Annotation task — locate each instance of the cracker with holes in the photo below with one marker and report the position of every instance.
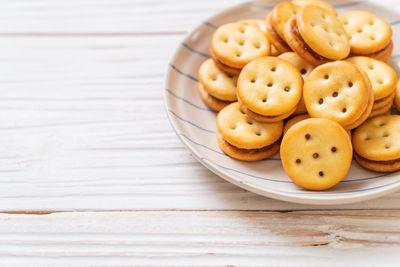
(269, 89)
(397, 96)
(302, 65)
(217, 88)
(377, 144)
(293, 121)
(384, 54)
(254, 22)
(316, 153)
(245, 139)
(212, 102)
(338, 91)
(236, 44)
(367, 112)
(369, 35)
(305, 68)
(383, 79)
(319, 3)
(261, 25)
(289, 124)
(276, 41)
(275, 23)
(317, 35)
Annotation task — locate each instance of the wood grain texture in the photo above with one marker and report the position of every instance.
(83, 127)
(110, 17)
(105, 17)
(329, 238)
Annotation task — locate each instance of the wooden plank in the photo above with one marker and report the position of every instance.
(83, 127)
(105, 16)
(57, 17)
(329, 238)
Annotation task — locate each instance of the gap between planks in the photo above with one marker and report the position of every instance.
(331, 212)
(89, 34)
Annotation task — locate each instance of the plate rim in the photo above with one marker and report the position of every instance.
(259, 190)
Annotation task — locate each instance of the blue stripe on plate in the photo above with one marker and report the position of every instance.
(199, 144)
(182, 73)
(326, 192)
(209, 24)
(364, 179)
(187, 101)
(252, 4)
(349, 4)
(395, 22)
(269, 159)
(247, 174)
(264, 178)
(345, 192)
(191, 49)
(209, 148)
(395, 56)
(191, 123)
(272, 159)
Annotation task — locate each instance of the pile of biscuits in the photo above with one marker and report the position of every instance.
(320, 79)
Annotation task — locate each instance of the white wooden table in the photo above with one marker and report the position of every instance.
(91, 172)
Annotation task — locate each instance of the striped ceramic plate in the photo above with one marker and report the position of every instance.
(195, 124)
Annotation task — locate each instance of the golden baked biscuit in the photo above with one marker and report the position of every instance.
(319, 3)
(235, 44)
(222, 66)
(297, 44)
(219, 84)
(274, 51)
(255, 22)
(317, 35)
(293, 121)
(367, 32)
(243, 132)
(278, 42)
(381, 111)
(368, 110)
(316, 153)
(384, 101)
(382, 76)
(377, 143)
(247, 154)
(301, 108)
(270, 87)
(337, 91)
(302, 65)
(281, 14)
(262, 118)
(262, 26)
(300, 118)
(212, 102)
(244, 138)
(305, 68)
(382, 55)
(378, 166)
(397, 96)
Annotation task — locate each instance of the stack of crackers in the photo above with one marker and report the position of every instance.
(319, 79)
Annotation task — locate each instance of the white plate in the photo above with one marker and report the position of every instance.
(195, 124)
